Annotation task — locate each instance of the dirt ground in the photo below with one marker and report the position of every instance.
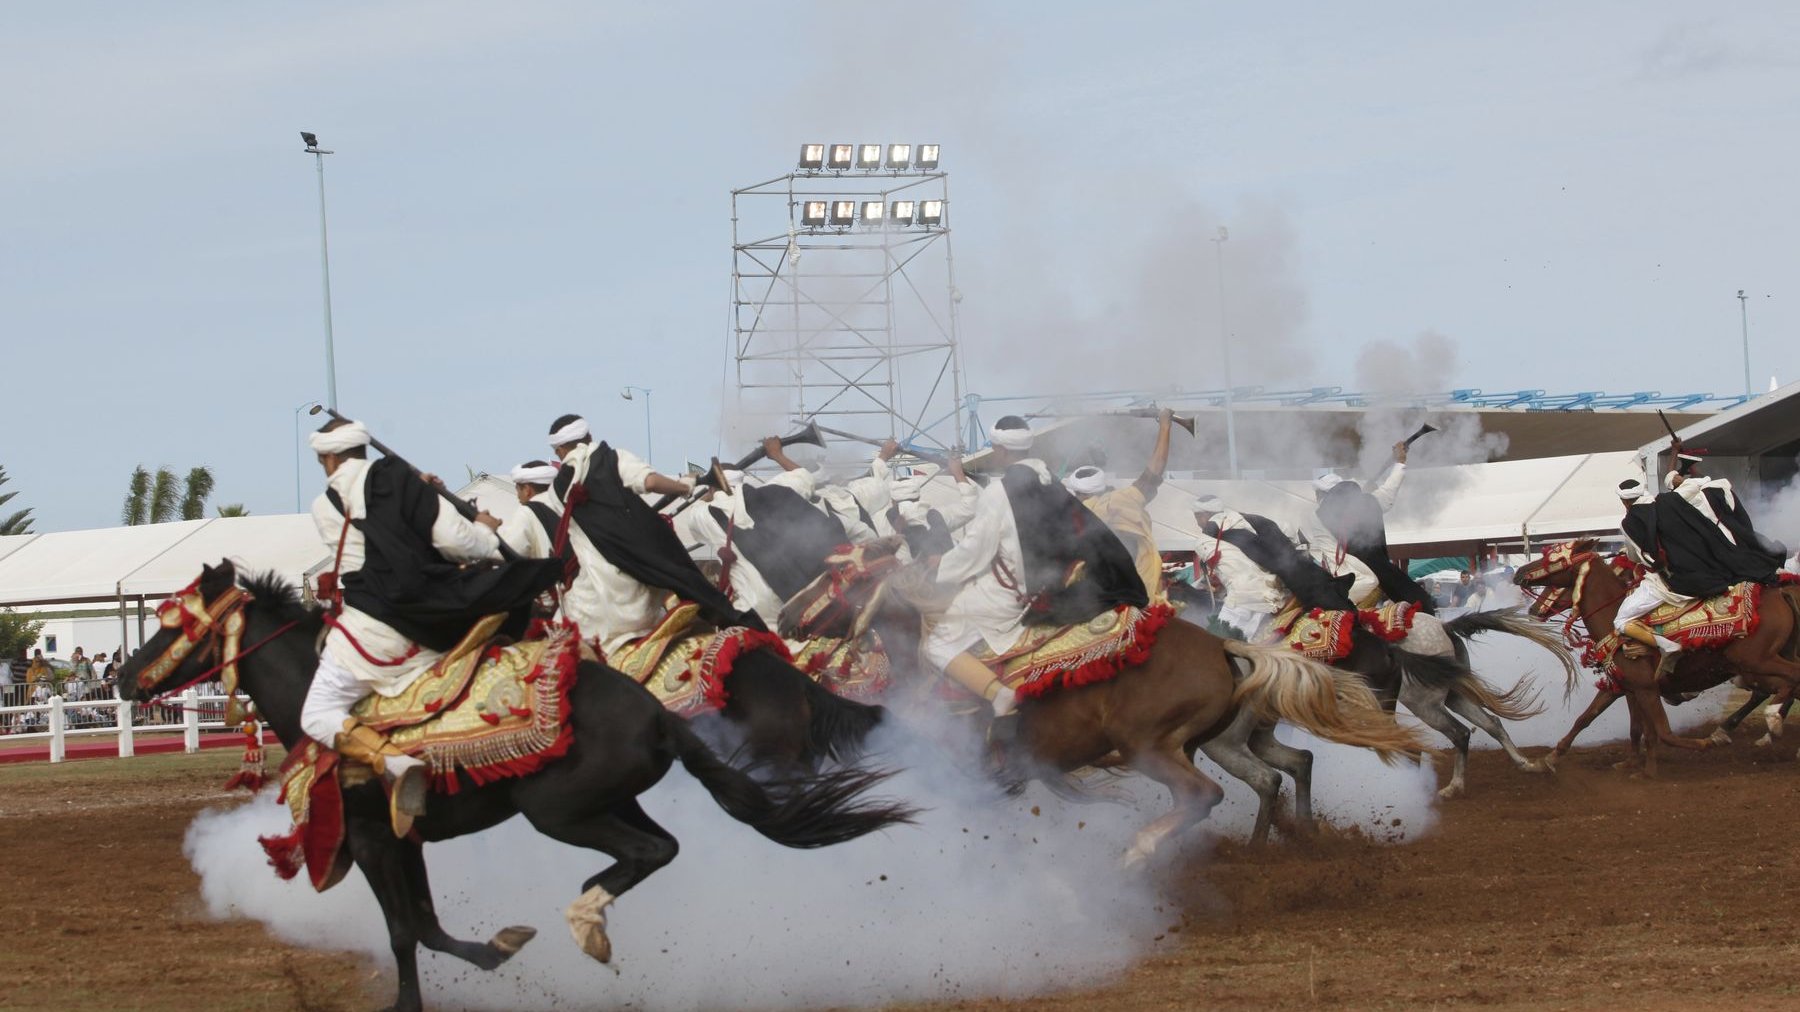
(1587, 891)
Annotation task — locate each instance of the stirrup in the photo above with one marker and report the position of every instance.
(406, 797)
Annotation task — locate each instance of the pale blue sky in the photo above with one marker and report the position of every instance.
(529, 206)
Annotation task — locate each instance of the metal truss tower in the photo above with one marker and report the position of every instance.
(843, 295)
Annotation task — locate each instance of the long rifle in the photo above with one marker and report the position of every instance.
(468, 509)
(925, 456)
(809, 435)
(1150, 412)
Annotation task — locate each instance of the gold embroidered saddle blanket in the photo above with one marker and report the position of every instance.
(1712, 622)
(685, 662)
(484, 712)
(1047, 658)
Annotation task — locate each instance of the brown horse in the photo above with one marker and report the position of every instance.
(1595, 592)
(1188, 690)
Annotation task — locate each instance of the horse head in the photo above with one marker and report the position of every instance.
(191, 621)
(1556, 568)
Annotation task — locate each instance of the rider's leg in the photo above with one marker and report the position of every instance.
(980, 679)
(325, 717)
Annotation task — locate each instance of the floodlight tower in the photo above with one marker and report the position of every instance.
(843, 293)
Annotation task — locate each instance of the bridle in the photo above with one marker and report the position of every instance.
(216, 629)
(1552, 600)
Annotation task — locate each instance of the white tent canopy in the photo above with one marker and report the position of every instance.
(150, 561)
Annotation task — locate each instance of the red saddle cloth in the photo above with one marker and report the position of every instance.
(1050, 658)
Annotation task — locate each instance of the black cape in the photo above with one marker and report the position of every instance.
(1736, 519)
(1355, 518)
(406, 583)
(635, 538)
(1312, 585)
(1692, 555)
(1055, 533)
(933, 537)
(551, 522)
(789, 541)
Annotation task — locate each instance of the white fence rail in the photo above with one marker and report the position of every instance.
(61, 719)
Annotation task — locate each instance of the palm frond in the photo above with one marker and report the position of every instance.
(164, 497)
(137, 498)
(199, 489)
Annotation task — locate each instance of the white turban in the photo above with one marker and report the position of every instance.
(1209, 504)
(1011, 439)
(914, 513)
(1086, 481)
(733, 478)
(1631, 489)
(541, 475)
(344, 437)
(905, 490)
(1326, 482)
(1674, 478)
(574, 432)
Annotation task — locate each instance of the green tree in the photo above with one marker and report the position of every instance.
(18, 523)
(199, 488)
(163, 496)
(17, 634)
(137, 499)
(233, 509)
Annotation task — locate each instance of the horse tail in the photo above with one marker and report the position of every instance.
(805, 812)
(1514, 622)
(840, 726)
(1452, 674)
(1333, 704)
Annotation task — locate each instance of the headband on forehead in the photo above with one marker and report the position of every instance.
(1209, 504)
(574, 432)
(1326, 482)
(1086, 481)
(543, 474)
(1631, 489)
(344, 437)
(905, 490)
(1011, 439)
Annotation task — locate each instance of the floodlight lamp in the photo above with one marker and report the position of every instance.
(872, 212)
(868, 156)
(931, 212)
(812, 213)
(843, 212)
(899, 156)
(311, 139)
(840, 156)
(928, 157)
(901, 212)
(812, 156)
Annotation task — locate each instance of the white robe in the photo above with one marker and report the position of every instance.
(524, 533)
(1324, 548)
(697, 526)
(985, 610)
(1252, 594)
(455, 537)
(606, 604)
(1694, 491)
(1649, 594)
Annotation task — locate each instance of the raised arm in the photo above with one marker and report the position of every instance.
(1152, 478)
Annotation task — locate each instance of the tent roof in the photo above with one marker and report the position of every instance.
(1753, 427)
(153, 560)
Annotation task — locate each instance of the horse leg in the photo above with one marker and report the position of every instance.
(1473, 712)
(381, 857)
(1230, 748)
(1775, 710)
(1649, 701)
(636, 843)
(1601, 701)
(1427, 704)
(1295, 762)
(486, 955)
(1757, 698)
(1194, 794)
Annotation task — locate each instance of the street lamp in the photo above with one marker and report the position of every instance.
(297, 411)
(649, 449)
(1744, 316)
(318, 153)
(1225, 345)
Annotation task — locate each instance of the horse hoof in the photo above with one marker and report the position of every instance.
(508, 941)
(1720, 736)
(1451, 792)
(1764, 742)
(587, 923)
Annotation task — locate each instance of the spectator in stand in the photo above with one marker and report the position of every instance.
(1464, 590)
(6, 693)
(39, 670)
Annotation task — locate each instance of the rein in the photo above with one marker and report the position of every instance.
(201, 624)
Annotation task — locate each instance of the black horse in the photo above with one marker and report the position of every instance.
(624, 741)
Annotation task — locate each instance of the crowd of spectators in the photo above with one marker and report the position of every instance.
(85, 677)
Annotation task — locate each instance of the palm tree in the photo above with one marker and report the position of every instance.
(199, 489)
(137, 499)
(18, 523)
(233, 509)
(162, 496)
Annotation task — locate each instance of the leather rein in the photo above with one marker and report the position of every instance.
(216, 629)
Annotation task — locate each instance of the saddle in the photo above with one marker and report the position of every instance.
(1048, 658)
(1328, 636)
(685, 660)
(1709, 622)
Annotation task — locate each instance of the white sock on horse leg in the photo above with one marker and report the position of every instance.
(1005, 701)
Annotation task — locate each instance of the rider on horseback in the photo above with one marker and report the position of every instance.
(1127, 510)
(399, 596)
(1347, 534)
(1260, 568)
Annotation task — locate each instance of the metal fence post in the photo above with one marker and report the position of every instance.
(56, 729)
(190, 721)
(122, 715)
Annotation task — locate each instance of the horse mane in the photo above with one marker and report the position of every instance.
(282, 599)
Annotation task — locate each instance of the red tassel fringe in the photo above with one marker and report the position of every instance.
(564, 675)
(1101, 669)
(286, 853)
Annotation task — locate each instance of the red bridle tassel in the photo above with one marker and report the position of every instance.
(252, 772)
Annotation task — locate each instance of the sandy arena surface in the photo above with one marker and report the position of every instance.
(1586, 891)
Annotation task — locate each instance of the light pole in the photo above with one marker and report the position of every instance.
(297, 411)
(649, 446)
(1225, 345)
(1744, 317)
(318, 153)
